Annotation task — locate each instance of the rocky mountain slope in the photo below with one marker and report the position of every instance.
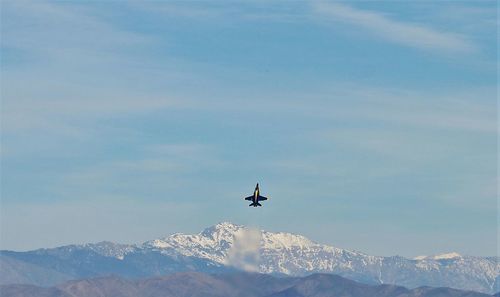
(227, 246)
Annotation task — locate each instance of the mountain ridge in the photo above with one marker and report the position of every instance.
(242, 284)
(226, 246)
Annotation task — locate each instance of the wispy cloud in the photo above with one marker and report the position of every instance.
(72, 66)
(152, 160)
(404, 33)
(60, 30)
(468, 111)
(227, 11)
(157, 168)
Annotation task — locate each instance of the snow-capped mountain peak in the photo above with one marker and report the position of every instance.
(212, 243)
(227, 245)
(446, 256)
(278, 252)
(285, 253)
(221, 231)
(451, 255)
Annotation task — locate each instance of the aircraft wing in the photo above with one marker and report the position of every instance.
(250, 198)
(261, 198)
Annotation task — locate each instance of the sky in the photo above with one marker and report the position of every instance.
(372, 126)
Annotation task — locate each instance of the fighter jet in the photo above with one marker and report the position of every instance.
(255, 198)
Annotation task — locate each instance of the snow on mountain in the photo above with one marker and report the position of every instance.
(447, 256)
(110, 249)
(104, 248)
(285, 253)
(234, 246)
(213, 243)
(417, 258)
(451, 255)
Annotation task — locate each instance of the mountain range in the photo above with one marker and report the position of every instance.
(227, 247)
(239, 284)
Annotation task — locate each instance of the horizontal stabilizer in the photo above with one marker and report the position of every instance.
(261, 198)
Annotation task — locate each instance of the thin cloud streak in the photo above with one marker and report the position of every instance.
(408, 34)
(50, 29)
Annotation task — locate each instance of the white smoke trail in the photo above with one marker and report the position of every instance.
(245, 252)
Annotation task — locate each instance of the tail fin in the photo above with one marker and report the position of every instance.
(255, 204)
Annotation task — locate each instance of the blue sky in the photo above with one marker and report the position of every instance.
(371, 125)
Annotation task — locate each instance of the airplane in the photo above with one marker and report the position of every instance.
(255, 198)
